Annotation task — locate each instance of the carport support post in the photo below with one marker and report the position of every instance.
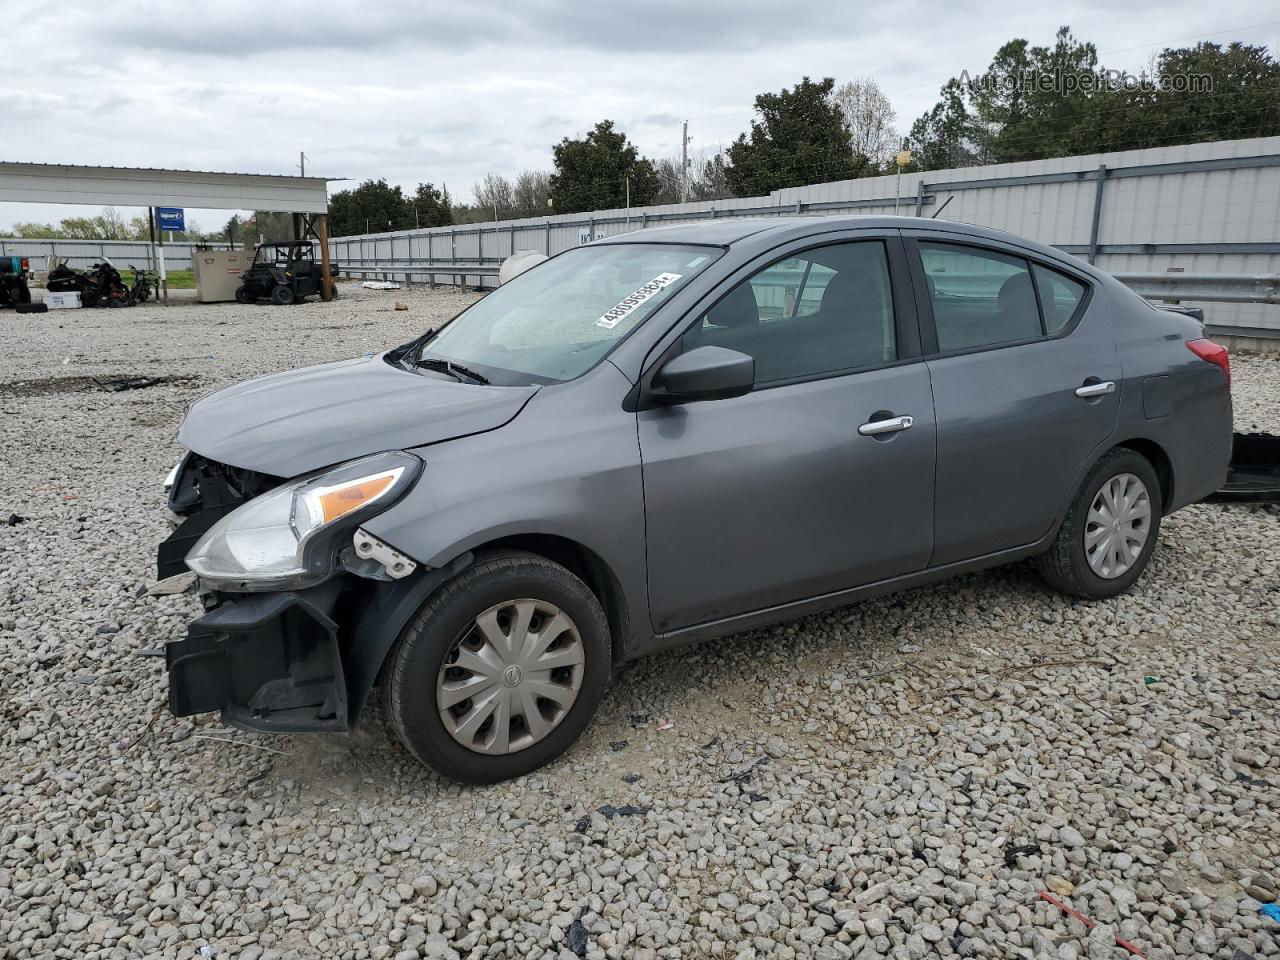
(326, 278)
(164, 274)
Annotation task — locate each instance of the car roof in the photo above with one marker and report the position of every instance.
(730, 231)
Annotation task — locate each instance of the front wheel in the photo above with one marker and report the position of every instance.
(500, 671)
(1110, 531)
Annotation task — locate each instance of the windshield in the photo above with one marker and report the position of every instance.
(556, 321)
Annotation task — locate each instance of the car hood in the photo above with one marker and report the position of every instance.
(290, 423)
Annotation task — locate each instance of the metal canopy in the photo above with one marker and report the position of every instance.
(140, 187)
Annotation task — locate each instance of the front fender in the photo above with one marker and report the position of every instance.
(567, 467)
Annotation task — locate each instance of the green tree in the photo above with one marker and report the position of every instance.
(800, 137)
(944, 137)
(375, 206)
(431, 206)
(1201, 93)
(531, 193)
(1035, 102)
(593, 173)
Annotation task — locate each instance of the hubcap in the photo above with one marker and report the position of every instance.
(1118, 525)
(511, 676)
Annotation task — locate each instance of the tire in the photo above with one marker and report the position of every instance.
(446, 628)
(1067, 566)
(282, 296)
(242, 295)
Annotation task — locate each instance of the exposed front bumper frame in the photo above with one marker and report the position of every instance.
(268, 662)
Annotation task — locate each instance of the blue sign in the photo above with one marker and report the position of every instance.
(171, 218)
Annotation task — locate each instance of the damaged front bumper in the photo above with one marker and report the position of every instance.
(270, 662)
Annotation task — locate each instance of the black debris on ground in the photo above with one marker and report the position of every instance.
(130, 383)
(626, 810)
(1013, 852)
(742, 776)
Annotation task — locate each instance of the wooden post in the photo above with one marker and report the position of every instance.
(326, 278)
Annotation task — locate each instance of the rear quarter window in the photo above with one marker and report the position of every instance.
(1060, 295)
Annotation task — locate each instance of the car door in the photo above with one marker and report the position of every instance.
(776, 496)
(1026, 384)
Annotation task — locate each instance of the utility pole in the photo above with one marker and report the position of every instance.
(684, 162)
(302, 164)
(628, 199)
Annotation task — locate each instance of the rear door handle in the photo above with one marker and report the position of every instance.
(1096, 389)
(892, 425)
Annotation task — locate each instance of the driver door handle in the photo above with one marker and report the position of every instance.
(892, 425)
(1096, 389)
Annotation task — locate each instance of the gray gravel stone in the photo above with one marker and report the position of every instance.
(893, 751)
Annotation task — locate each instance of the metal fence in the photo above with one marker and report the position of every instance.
(1208, 208)
(82, 253)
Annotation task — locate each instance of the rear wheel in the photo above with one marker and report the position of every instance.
(1110, 531)
(500, 671)
(242, 294)
(282, 295)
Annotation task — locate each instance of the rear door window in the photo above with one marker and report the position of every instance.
(980, 297)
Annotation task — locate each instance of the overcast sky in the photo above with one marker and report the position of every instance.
(448, 94)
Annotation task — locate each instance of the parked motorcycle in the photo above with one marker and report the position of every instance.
(144, 286)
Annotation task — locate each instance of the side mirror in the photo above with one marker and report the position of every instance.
(704, 373)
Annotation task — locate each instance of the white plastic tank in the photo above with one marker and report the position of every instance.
(518, 263)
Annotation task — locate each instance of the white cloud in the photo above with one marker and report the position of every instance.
(448, 93)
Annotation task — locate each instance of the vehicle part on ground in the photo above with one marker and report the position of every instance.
(1254, 473)
(518, 263)
(501, 669)
(1106, 539)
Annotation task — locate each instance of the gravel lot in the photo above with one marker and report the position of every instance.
(900, 778)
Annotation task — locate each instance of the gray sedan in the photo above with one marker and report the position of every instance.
(664, 437)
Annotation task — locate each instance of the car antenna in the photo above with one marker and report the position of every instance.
(935, 213)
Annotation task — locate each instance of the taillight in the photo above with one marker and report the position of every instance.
(26, 264)
(1213, 353)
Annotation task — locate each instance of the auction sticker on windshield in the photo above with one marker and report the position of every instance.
(616, 314)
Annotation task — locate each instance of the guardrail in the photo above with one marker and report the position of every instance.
(1207, 287)
(387, 270)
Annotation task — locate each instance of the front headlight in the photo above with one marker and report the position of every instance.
(284, 538)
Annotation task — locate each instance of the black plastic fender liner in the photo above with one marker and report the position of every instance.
(384, 616)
